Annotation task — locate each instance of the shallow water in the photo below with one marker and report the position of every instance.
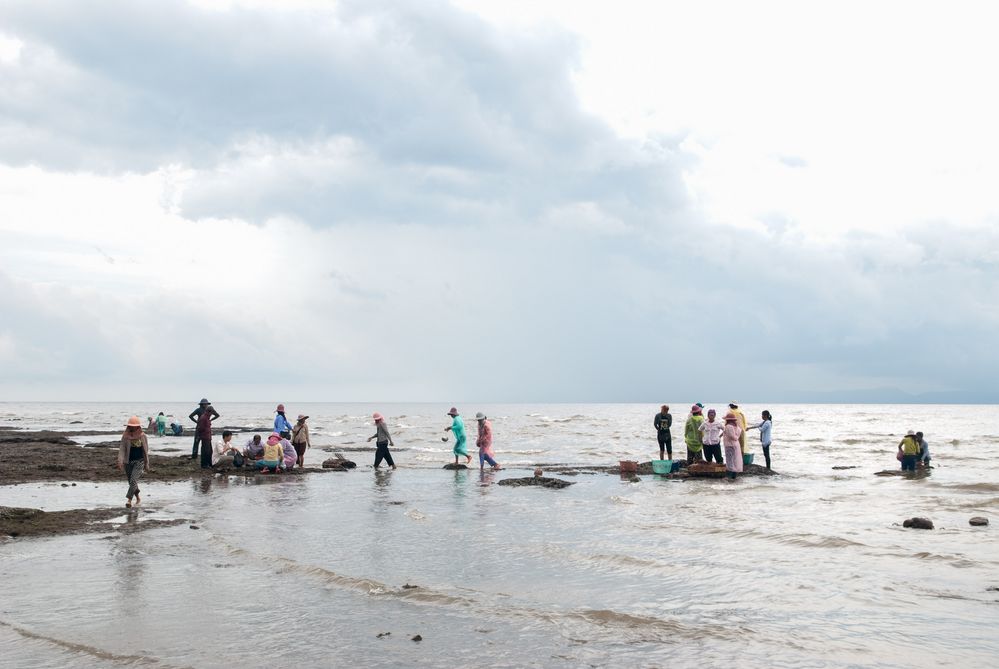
(810, 568)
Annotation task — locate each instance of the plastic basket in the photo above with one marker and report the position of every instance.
(662, 466)
(747, 458)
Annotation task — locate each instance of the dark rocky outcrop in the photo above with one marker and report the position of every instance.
(543, 481)
(451, 465)
(339, 463)
(978, 521)
(918, 523)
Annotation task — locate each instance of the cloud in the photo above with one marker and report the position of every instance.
(386, 201)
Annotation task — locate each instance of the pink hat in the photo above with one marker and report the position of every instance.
(377, 416)
(274, 438)
(696, 410)
(133, 422)
(280, 407)
(730, 417)
(452, 412)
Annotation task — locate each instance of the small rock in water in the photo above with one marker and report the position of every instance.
(383, 634)
(451, 465)
(73, 484)
(994, 588)
(978, 521)
(417, 638)
(64, 485)
(409, 587)
(194, 527)
(918, 523)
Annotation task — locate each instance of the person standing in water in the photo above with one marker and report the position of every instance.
(203, 416)
(692, 434)
(908, 448)
(733, 449)
(458, 428)
(663, 422)
(924, 451)
(160, 425)
(711, 433)
(485, 442)
(300, 438)
(741, 418)
(764, 427)
(382, 441)
(281, 424)
(133, 458)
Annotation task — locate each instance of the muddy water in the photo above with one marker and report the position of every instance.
(811, 568)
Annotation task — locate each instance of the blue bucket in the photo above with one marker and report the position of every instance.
(662, 466)
(747, 458)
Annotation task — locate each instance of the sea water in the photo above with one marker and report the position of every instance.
(807, 568)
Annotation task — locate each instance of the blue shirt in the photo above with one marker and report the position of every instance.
(281, 424)
(765, 432)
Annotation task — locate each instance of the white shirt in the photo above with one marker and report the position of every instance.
(220, 448)
(711, 432)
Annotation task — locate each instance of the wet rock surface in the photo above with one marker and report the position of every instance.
(339, 463)
(918, 523)
(543, 481)
(24, 523)
(978, 521)
(451, 465)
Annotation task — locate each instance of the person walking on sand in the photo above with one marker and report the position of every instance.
(692, 434)
(133, 458)
(160, 425)
(711, 433)
(663, 422)
(764, 427)
(908, 449)
(281, 424)
(203, 416)
(485, 442)
(741, 417)
(382, 441)
(733, 450)
(458, 428)
(300, 438)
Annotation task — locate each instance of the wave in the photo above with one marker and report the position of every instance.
(92, 651)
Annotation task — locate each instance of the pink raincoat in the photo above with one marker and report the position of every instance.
(733, 452)
(485, 439)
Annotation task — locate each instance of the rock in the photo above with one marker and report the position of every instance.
(65, 485)
(74, 485)
(847, 467)
(417, 638)
(409, 587)
(194, 527)
(339, 463)
(451, 465)
(978, 521)
(635, 479)
(918, 523)
(542, 481)
(383, 634)
(994, 588)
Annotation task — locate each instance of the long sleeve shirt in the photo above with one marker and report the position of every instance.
(281, 424)
(485, 438)
(764, 429)
(663, 422)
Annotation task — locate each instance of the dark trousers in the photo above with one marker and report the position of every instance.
(665, 442)
(909, 463)
(766, 454)
(713, 451)
(693, 456)
(206, 451)
(382, 453)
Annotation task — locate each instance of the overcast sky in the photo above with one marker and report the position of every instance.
(516, 200)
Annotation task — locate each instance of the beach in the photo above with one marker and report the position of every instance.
(810, 567)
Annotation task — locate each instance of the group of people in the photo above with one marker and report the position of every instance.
(283, 450)
(484, 440)
(709, 439)
(913, 451)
